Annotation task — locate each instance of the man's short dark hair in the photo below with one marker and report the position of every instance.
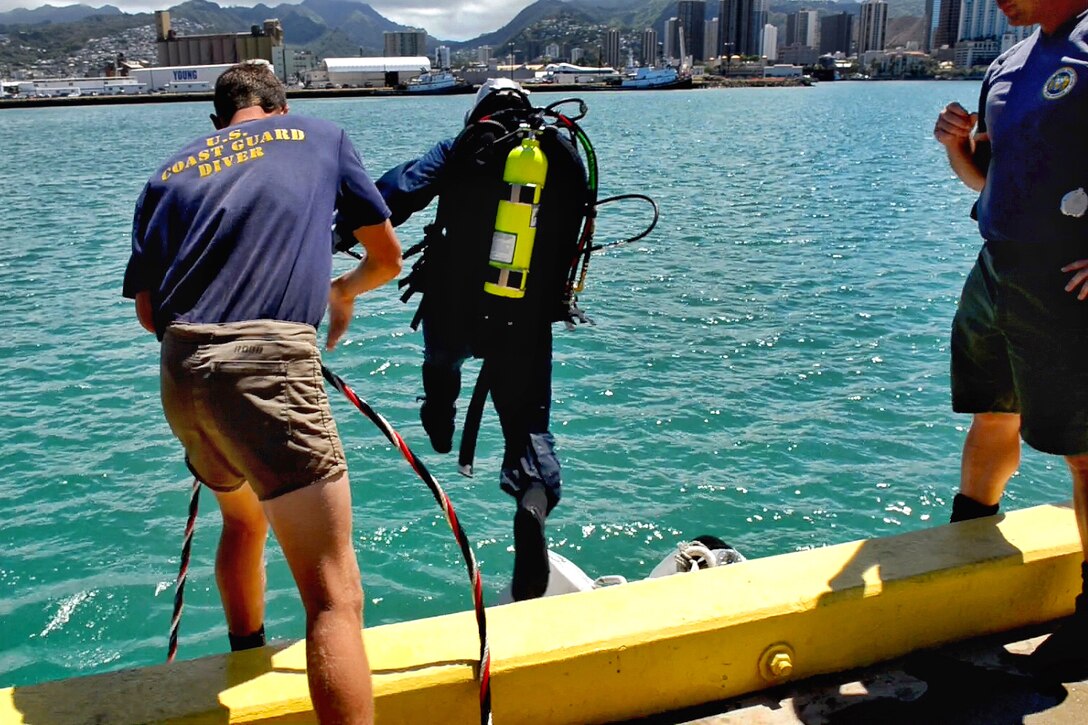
(248, 84)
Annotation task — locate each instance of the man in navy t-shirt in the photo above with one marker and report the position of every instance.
(1020, 335)
(230, 268)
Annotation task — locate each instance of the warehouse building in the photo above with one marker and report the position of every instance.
(367, 72)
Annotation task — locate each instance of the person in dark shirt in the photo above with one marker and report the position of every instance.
(1020, 335)
(230, 268)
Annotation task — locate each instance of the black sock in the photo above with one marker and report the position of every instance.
(965, 508)
(239, 642)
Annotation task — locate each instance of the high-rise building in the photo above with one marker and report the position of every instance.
(984, 33)
(710, 38)
(610, 48)
(672, 34)
(801, 28)
(576, 54)
(552, 50)
(836, 33)
(691, 15)
(405, 43)
(649, 48)
(931, 13)
(872, 26)
(483, 54)
(947, 28)
(980, 19)
(770, 42)
(741, 24)
(442, 56)
(761, 13)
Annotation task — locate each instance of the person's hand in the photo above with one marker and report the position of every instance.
(341, 310)
(1080, 279)
(954, 126)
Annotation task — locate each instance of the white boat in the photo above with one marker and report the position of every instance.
(648, 78)
(438, 82)
(703, 552)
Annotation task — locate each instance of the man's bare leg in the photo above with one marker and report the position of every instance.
(239, 565)
(991, 454)
(1078, 466)
(1066, 650)
(313, 527)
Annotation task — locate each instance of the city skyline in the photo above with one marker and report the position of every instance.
(450, 20)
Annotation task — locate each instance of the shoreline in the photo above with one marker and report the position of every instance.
(297, 93)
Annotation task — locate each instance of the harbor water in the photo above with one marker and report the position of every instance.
(769, 366)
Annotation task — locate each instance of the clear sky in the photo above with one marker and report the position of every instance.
(448, 20)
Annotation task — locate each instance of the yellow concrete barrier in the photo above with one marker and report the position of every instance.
(640, 648)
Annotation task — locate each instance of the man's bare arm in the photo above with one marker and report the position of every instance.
(954, 131)
(381, 264)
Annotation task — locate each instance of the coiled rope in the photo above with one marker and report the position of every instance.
(451, 517)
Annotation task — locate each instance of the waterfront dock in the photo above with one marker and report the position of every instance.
(882, 630)
(308, 93)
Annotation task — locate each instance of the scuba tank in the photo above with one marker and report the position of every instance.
(515, 221)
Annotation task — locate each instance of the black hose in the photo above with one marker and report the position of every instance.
(622, 197)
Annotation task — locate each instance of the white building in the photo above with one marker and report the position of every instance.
(981, 19)
(54, 87)
(367, 72)
(483, 54)
(179, 79)
(552, 50)
(782, 70)
(770, 41)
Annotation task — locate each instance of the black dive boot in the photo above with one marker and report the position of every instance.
(965, 508)
(1064, 653)
(530, 547)
(438, 423)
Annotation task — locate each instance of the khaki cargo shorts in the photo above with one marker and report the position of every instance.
(247, 402)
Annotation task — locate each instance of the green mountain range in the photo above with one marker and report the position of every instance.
(347, 27)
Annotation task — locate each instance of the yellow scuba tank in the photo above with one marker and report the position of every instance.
(515, 220)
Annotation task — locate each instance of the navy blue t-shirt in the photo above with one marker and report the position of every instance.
(237, 225)
(1036, 113)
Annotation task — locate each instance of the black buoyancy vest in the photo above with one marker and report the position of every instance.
(455, 263)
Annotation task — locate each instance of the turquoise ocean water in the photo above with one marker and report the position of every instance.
(769, 366)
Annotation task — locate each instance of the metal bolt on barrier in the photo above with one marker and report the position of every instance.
(776, 662)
